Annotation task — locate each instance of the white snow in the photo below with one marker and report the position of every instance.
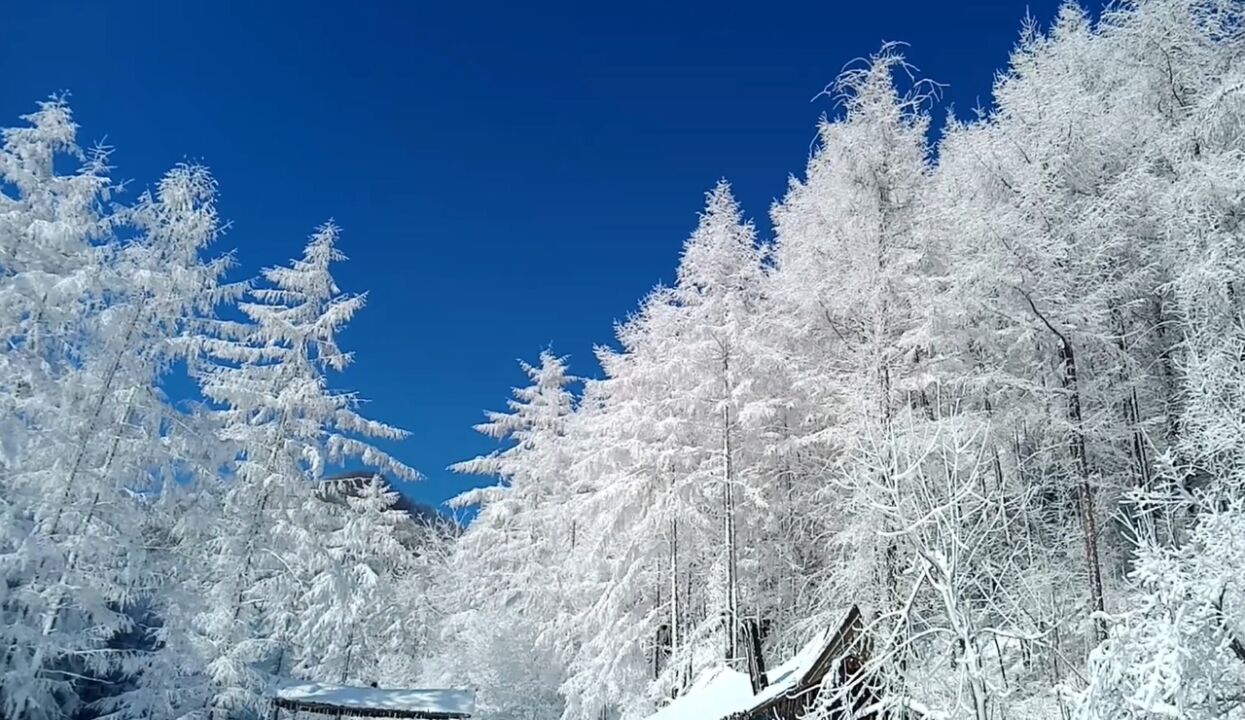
(717, 693)
(438, 701)
(722, 691)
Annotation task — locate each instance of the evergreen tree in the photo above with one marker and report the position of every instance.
(276, 410)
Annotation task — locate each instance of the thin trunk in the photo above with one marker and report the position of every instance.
(1171, 381)
(674, 587)
(1083, 489)
(345, 673)
(732, 579)
(995, 462)
(728, 493)
(659, 639)
(1132, 413)
(258, 517)
(109, 377)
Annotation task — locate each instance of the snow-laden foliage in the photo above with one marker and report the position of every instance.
(498, 633)
(1175, 648)
(160, 560)
(985, 380)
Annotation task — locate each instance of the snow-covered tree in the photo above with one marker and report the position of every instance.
(91, 433)
(285, 425)
(351, 616)
(503, 570)
(1176, 648)
(136, 582)
(855, 281)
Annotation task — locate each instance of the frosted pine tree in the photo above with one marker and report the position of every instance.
(506, 537)
(286, 425)
(161, 289)
(351, 616)
(54, 235)
(104, 328)
(48, 225)
(672, 475)
(505, 566)
(854, 268)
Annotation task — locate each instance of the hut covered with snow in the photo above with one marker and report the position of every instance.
(831, 659)
(346, 701)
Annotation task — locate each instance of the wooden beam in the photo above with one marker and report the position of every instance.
(756, 661)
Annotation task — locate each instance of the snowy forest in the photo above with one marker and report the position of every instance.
(986, 378)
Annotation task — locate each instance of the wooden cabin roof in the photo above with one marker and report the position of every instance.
(836, 642)
(347, 701)
(724, 693)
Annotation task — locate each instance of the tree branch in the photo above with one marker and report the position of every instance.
(1234, 643)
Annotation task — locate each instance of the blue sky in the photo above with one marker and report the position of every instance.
(509, 176)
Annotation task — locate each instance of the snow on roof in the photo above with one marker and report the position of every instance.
(787, 676)
(376, 702)
(716, 693)
(720, 692)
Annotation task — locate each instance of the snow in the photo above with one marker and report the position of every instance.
(722, 691)
(431, 701)
(717, 693)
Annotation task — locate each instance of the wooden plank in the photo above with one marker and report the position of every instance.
(756, 661)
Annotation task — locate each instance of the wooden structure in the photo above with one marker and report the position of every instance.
(829, 668)
(341, 701)
(837, 665)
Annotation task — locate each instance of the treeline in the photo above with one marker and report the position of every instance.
(989, 387)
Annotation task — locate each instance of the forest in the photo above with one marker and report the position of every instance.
(986, 379)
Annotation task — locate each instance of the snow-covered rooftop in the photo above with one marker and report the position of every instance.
(716, 694)
(721, 691)
(376, 702)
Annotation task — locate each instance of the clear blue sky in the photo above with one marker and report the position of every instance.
(509, 176)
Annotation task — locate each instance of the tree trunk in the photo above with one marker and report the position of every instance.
(732, 580)
(1083, 489)
(728, 509)
(674, 587)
